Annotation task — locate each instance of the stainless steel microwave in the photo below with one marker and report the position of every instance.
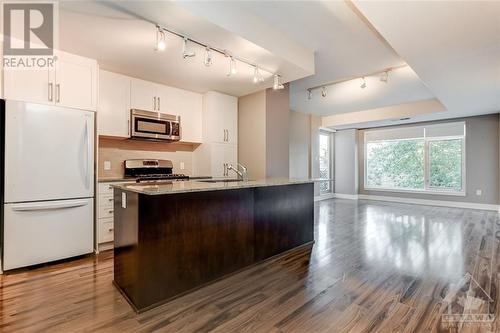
(154, 126)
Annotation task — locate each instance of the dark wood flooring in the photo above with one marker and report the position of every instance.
(375, 267)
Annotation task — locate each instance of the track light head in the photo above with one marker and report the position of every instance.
(363, 84)
(385, 77)
(185, 52)
(232, 66)
(323, 92)
(208, 57)
(276, 84)
(257, 75)
(309, 94)
(160, 44)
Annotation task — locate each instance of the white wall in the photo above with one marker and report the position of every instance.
(300, 144)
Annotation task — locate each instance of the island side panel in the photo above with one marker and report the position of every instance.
(284, 218)
(126, 253)
(189, 239)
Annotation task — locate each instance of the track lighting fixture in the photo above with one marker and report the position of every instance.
(185, 52)
(257, 75)
(160, 39)
(232, 66)
(385, 77)
(208, 57)
(363, 83)
(276, 84)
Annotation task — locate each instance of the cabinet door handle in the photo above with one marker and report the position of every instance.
(58, 93)
(159, 107)
(111, 229)
(110, 211)
(154, 103)
(51, 92)
(128, 127)
(227, 135)
(110, 199)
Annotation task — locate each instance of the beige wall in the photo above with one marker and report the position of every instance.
(263, 133)
(252, 134)
(277, 132)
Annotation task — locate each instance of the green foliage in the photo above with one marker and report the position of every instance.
(396, 164)
(400, 164)
(445, 158)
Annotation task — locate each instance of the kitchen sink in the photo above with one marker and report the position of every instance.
(220, 180)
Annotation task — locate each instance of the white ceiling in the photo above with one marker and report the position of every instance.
(121, 36)
(454, 46)
(345, 47)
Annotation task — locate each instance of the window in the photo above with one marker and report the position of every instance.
(325, 162)
(422, 159)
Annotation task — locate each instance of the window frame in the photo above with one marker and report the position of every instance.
(331, 162)
(427, 188)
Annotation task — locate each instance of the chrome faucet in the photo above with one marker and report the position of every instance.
(242, 174)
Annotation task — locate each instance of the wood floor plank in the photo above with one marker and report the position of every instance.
(375, 267)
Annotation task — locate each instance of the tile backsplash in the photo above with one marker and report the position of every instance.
(117, 151)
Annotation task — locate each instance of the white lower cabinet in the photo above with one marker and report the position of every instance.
(105, 212)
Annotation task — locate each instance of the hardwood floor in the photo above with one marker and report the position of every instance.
(375, 267)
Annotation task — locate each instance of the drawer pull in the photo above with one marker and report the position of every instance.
(110, 199)
(111, 229)
(110, 211)
(110, 187)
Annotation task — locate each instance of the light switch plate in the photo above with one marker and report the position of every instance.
(124, 200)
(182, 165)
(479, 192)
(107, 165)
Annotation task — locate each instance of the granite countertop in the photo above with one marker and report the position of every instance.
(198, 186)
(132, 179)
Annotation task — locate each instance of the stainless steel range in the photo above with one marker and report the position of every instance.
(151, 171)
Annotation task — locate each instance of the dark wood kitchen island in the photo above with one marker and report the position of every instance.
(171, 238)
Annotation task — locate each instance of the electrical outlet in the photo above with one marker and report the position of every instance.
(479, 192)
(107, 165)
(182, 165)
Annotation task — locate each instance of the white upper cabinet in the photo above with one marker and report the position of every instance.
(119, 94)
(220, 118)
(76, 82)
(143, 95)
(35, 86)
(72, 83)
(113, 112)
(187, 105)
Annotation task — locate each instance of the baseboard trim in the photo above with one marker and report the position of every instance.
(440, 203)
(346, 196)
(324, 197)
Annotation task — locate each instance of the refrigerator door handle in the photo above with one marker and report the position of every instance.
(87, 154)
(35, 206)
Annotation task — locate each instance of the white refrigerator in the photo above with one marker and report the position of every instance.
(48, 194)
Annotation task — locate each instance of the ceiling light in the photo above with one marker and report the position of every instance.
(208, 57)
(232, 66)
(160, 39)
(257, 75)
(385, 77)
(363, 84)
(185, 53)
(276, 84)
(323, 92)
(309, 94)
